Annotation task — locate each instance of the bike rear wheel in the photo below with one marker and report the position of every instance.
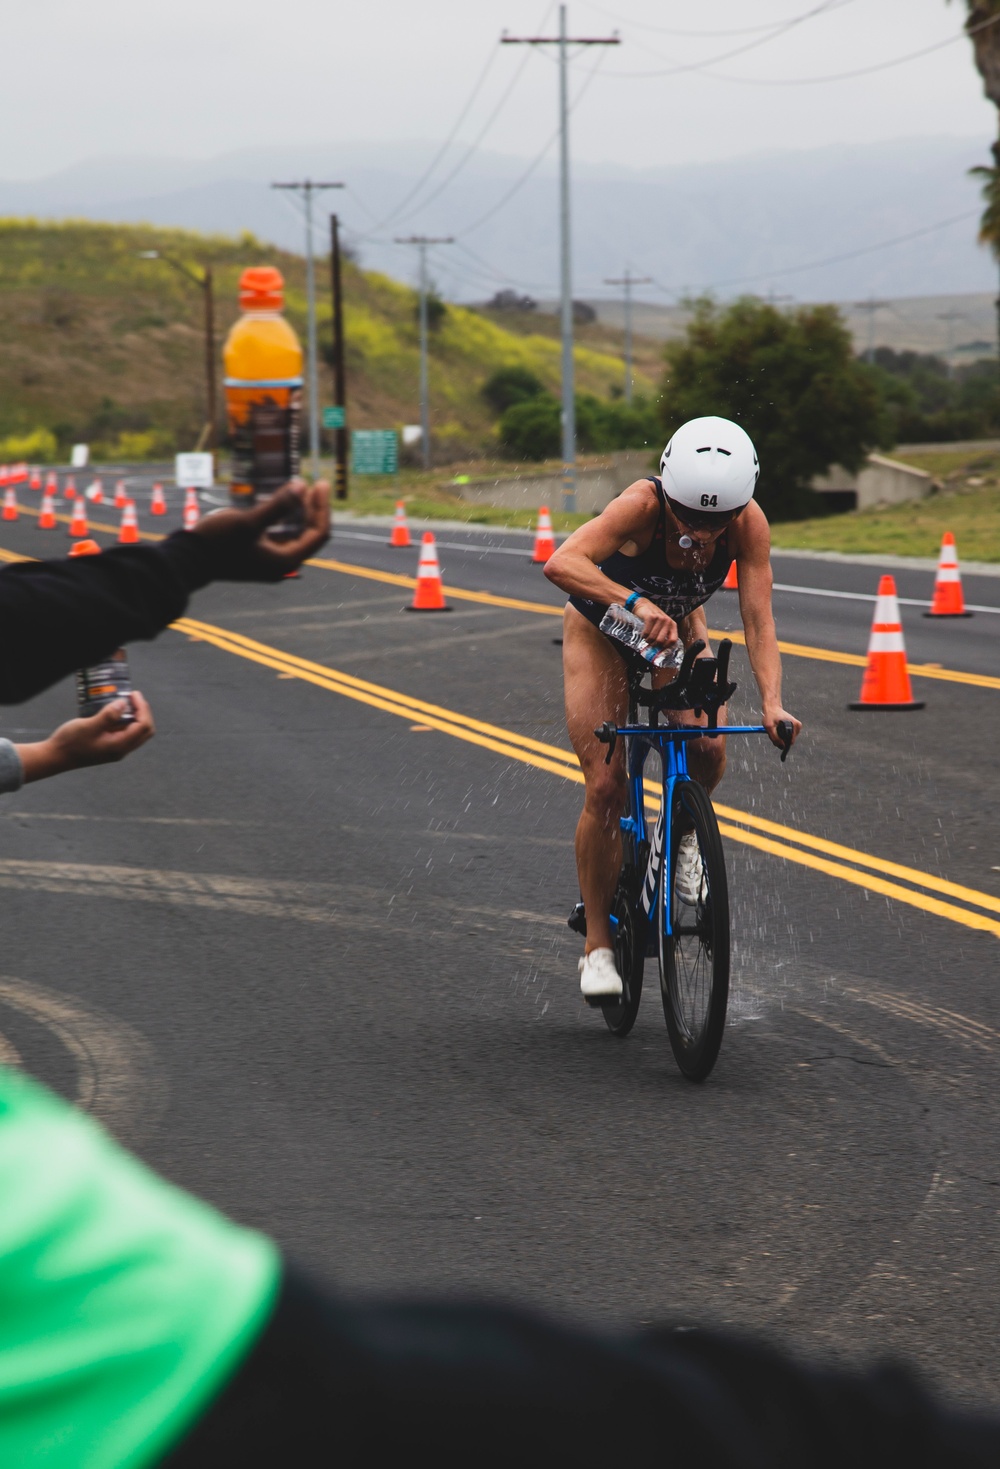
(629, 940)
(694, 958)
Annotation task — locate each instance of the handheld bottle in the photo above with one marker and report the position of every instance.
(263, 384)
(105, 681)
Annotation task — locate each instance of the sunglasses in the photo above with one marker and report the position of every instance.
(703, 520)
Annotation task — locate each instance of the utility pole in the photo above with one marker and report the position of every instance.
(628, 280)
(307, 187)
(339, 376)
(950, 317)
(563, 41)
(209, 433)
(871, 306)
(421, 242)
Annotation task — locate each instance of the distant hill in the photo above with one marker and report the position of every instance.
(97, 343)
(747, 223)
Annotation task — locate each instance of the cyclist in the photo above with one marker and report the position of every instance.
(661, 549)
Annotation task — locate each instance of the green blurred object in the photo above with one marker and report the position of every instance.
(334, 418)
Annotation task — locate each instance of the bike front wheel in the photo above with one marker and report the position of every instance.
(694, 956)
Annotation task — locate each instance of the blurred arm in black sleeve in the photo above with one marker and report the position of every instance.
(58, 616)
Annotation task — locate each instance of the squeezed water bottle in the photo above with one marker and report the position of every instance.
(625, 627)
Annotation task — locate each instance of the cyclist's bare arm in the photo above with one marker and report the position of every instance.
(751, 543)
(627, 524)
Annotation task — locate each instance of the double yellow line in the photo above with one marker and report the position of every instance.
(890, 879)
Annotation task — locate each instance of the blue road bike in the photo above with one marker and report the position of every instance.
(649, 917)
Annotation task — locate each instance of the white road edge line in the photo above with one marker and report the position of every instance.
(781, 586)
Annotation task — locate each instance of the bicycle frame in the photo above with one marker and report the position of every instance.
(671, 744)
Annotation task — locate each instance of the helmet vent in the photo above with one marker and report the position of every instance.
(707, 450)
(724, 451)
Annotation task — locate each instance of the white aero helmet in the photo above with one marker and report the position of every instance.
(709, 471)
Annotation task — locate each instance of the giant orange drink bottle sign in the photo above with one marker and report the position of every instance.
(263, 364)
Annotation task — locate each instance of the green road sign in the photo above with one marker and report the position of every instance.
(334, 418)
(374, 451)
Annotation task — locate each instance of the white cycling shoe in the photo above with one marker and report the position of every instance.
(599, 979)
(689, 873)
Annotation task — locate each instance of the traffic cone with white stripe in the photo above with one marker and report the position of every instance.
(47, 517)
(429, 593)
(78, 520)
(52, 483)
(4, 475)
(95, 493)
(948, 599)
(545, 541)
(400, 530)
(121, 495)
(69, 488)
(731, 583)
(10, 503)
(128, 531)
(886, 684)
(157, 505)
(35, 480)
(192, 514)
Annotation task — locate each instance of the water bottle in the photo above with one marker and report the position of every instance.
(107, 680)
(625, 627)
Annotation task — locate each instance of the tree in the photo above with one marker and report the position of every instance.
(983, 28)
(509, 385)
(790, 379)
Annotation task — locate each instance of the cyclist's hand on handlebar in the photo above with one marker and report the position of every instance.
(772, 718)
(657, 627)
(244, 549)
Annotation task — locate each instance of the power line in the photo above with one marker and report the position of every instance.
(849, 255)
(718, 35)
(840, 76)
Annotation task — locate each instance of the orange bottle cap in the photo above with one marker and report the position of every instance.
(262, 288)
(85, 548)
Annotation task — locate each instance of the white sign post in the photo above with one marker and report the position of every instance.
(80, 455)
(193, 471)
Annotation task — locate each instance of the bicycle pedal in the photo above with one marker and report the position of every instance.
(601, 1002)
(577, 920)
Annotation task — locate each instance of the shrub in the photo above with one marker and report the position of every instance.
(531, 429)
(510, 385)
(40, 445)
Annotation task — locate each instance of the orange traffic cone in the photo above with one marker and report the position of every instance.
(948, 599)
(35, 482)
(52, 483)
(4, 475)
(192, 514)
(886, 684)
(69, 489)
(121, 495)
(128, 531)
(400, 530)
(731, 583)
(429, 593)
(85, 548)
(47, 517)
(157, 505)
(10, 503)
(545, 541)
(19, 473)
(95, 493)
(78, 521)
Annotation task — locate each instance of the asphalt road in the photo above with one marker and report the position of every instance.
(307, 954)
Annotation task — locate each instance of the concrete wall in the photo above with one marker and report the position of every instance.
(596, 485)
(880, 481)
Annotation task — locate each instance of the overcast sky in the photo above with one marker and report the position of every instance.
(195, 78)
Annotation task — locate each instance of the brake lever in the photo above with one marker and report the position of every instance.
(785, 732)
(607, 733)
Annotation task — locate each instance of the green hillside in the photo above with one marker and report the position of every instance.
(99, 345)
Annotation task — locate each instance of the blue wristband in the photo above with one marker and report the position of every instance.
(631, 601)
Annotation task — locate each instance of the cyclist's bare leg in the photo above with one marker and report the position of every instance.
(596, 688)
